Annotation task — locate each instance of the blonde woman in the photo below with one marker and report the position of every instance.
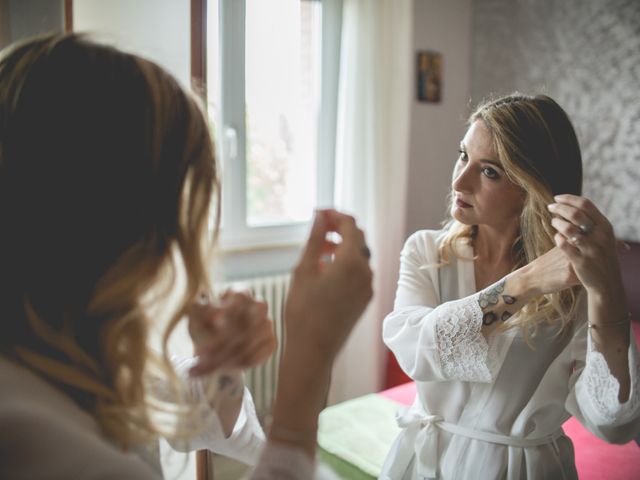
(107, 176)
(513, 317)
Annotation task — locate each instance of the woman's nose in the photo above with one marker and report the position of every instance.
(461, 179)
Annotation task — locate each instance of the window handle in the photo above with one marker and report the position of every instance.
(231, 142)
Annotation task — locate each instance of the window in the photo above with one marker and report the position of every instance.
(271, 104)
(269, 71)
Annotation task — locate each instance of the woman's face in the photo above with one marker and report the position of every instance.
(483, 195)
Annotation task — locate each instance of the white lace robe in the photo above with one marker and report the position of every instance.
(490, 408)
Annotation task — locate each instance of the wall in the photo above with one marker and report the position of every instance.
(437, 128)
(585, 54)
(20, 19)
(156, 29)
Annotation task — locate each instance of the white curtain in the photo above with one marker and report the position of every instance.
(372, 154)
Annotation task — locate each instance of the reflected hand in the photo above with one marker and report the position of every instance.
(235, 333)
(326, 298)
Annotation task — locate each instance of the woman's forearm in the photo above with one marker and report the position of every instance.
(228, 400)
(610, 333)
(301, 396)
(607, 315)
(506, 297)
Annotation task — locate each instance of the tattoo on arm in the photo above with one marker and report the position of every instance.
(227, 382)
(489, 296)
(488, 318)
(489, 301)
(509, 300)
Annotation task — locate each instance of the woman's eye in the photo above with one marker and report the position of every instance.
(462, 155)
(490, 173)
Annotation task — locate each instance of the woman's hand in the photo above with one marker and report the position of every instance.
(586, 237)
(235, 333)
(550, 273)
(327, 297)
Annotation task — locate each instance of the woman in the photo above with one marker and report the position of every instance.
(513, 317)
(107, 176)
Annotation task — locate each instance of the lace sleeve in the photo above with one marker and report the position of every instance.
(431, 340)
(464, 352)
(593, 394)
(246, 439)
(602, 388)
(443, 343)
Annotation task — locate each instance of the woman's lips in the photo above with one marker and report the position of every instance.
(461, 204)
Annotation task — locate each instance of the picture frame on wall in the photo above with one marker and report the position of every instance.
(429, 76)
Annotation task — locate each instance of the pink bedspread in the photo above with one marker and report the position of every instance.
(595, 459)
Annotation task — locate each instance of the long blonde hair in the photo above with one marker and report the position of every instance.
(107, 176)
(539, 151)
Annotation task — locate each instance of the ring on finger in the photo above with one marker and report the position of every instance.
(574, 240)
(366, 252)
(586, 228)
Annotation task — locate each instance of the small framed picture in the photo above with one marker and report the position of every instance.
(429, 79)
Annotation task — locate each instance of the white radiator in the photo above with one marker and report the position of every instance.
(263, 379)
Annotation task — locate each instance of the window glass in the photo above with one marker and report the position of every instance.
(282, 71)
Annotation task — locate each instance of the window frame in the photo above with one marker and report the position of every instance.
(236, 235)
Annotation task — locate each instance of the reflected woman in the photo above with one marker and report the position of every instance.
(107, 176)
(513, 317)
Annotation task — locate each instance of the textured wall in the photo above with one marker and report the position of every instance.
(586, 55)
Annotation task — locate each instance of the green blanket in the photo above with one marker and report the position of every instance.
(355, 436)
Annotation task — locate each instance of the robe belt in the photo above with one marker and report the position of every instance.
(424, 428)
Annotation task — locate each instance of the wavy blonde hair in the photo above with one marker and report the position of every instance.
(107, 177)
(539, 151)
